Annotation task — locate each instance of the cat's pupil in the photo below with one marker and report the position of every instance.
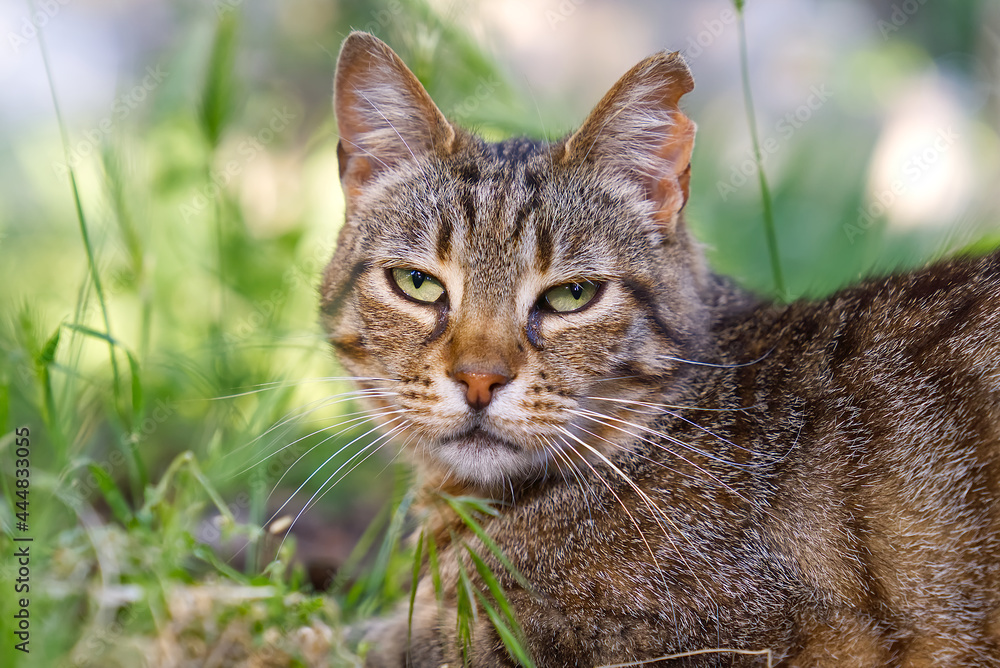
(417, 277)
(576, 290)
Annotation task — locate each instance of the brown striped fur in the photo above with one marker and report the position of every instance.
(683, 467)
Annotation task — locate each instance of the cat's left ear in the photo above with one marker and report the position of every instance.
(638, 130)
(384, 115)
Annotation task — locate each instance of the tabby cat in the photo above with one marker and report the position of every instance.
(680, 468)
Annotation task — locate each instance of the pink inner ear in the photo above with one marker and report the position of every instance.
(669, 199)
(638, 130)
(671, 189)
(384, 115)
(678, 143)
(355, 171)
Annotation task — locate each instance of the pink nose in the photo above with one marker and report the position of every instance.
(480, 386)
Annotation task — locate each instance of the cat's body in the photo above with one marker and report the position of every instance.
(684, 468)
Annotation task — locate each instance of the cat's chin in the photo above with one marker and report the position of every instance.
(488, 461)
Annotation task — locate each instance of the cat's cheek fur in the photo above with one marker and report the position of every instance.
(613, 338)
(392, 323)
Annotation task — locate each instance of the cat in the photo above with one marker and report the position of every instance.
(681, 469)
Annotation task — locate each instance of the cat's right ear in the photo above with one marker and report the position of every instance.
(384, 115)
(638, 130)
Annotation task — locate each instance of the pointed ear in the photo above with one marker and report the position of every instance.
(638, 130)
(384, 115)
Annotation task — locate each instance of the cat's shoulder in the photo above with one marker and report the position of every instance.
(943, 311)
(946, 297)
(965, 283)
(941, 281)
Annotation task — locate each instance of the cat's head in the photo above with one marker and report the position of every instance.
(511, 306)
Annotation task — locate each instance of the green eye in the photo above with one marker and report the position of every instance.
(569, 297)
(417, 285)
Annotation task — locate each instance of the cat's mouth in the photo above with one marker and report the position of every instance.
(486, 459)
(478, 438)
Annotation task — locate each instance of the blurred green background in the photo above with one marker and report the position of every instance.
(174, 311)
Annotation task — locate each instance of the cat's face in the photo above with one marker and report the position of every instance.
(506, 306)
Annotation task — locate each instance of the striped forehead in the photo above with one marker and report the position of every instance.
(494, 229)
(498, 213)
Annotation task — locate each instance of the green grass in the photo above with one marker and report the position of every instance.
(169, 368)
(159, 340)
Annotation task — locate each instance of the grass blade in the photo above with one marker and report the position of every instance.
(417, 563)
(44, 362)
(434, 566)
(509, 629)
(116, 501)
(378, 583)
(509, 637)
(467, 611)
(491, 583)
(95, 275)
(488, 541)
(218, 93)
(349, 569)
(765, 191)
(137, 398)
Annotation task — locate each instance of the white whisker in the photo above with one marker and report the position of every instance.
(282, 384)
(713, 435)
(323, 489)
(599, 419)
(736, 365)
(677, 441)
(653, 508)
(318, 404)
(328, 460)
(559, 453)
(657, 406)
(655, 511)
(352, 423)
(624, 477)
